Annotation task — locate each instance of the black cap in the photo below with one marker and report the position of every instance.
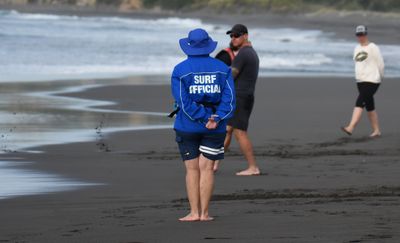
(238, 29)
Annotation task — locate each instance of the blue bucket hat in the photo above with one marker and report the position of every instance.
(198, 43)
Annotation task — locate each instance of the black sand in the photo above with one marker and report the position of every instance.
(318, 184)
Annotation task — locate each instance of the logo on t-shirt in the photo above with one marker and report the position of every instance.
(361, 56)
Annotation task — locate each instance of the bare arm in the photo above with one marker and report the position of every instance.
(235, 72)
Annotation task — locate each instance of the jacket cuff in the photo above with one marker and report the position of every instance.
(205, 118)
(217, 118)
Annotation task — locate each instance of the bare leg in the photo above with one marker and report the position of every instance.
(247, 149)
(206, 186)
(357, 112)
(373, 117)
(228, 138)
(227, 143)
(193, 189)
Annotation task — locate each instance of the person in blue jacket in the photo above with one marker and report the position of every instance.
(203, 90)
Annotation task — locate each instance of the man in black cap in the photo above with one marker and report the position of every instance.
(245, 66)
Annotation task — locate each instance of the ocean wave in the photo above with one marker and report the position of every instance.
(153, 65)
(269, 62)
(51, 47)
(287, 35)
(16, 14)
(61, 72)
(170, 22)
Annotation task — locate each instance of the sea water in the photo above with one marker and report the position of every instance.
(16, 181)
(51, 47)
(35, 114)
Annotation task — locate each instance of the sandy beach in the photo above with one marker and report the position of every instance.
(318, 184)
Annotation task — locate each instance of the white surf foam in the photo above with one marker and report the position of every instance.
(16, 181)
(50, 47)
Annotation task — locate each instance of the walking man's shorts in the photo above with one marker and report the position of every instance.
(191, 145)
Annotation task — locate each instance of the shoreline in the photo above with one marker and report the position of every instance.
(319, 185)
(118, 97)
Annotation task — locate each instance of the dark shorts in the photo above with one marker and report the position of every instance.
(365, 98)
(244, 107)
(191, 145)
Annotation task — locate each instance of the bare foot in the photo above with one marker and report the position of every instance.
(190, 218)
(216, 165)
(206, 218)
(249, 172)
(347, 131)
(375, 134)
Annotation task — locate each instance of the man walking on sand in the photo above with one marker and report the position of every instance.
(245, 66)
(203, 90)
(369, 70)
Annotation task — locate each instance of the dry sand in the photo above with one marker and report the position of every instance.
(319, 185)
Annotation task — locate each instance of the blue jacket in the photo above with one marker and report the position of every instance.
(202, 79)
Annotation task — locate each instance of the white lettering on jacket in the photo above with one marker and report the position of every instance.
(205, 79)
(205, 84)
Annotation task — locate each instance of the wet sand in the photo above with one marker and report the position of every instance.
(318, 185)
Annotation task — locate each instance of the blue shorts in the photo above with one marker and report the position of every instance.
(191, 145)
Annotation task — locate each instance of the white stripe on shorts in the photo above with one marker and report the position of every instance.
(211, 151)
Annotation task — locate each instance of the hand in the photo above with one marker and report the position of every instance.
(211, 124)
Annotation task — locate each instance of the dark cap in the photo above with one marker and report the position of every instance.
(238, 29)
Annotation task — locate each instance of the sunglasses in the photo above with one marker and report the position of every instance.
(360, 34)
(235, 35)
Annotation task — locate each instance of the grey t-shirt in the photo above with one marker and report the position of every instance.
(247, 62)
